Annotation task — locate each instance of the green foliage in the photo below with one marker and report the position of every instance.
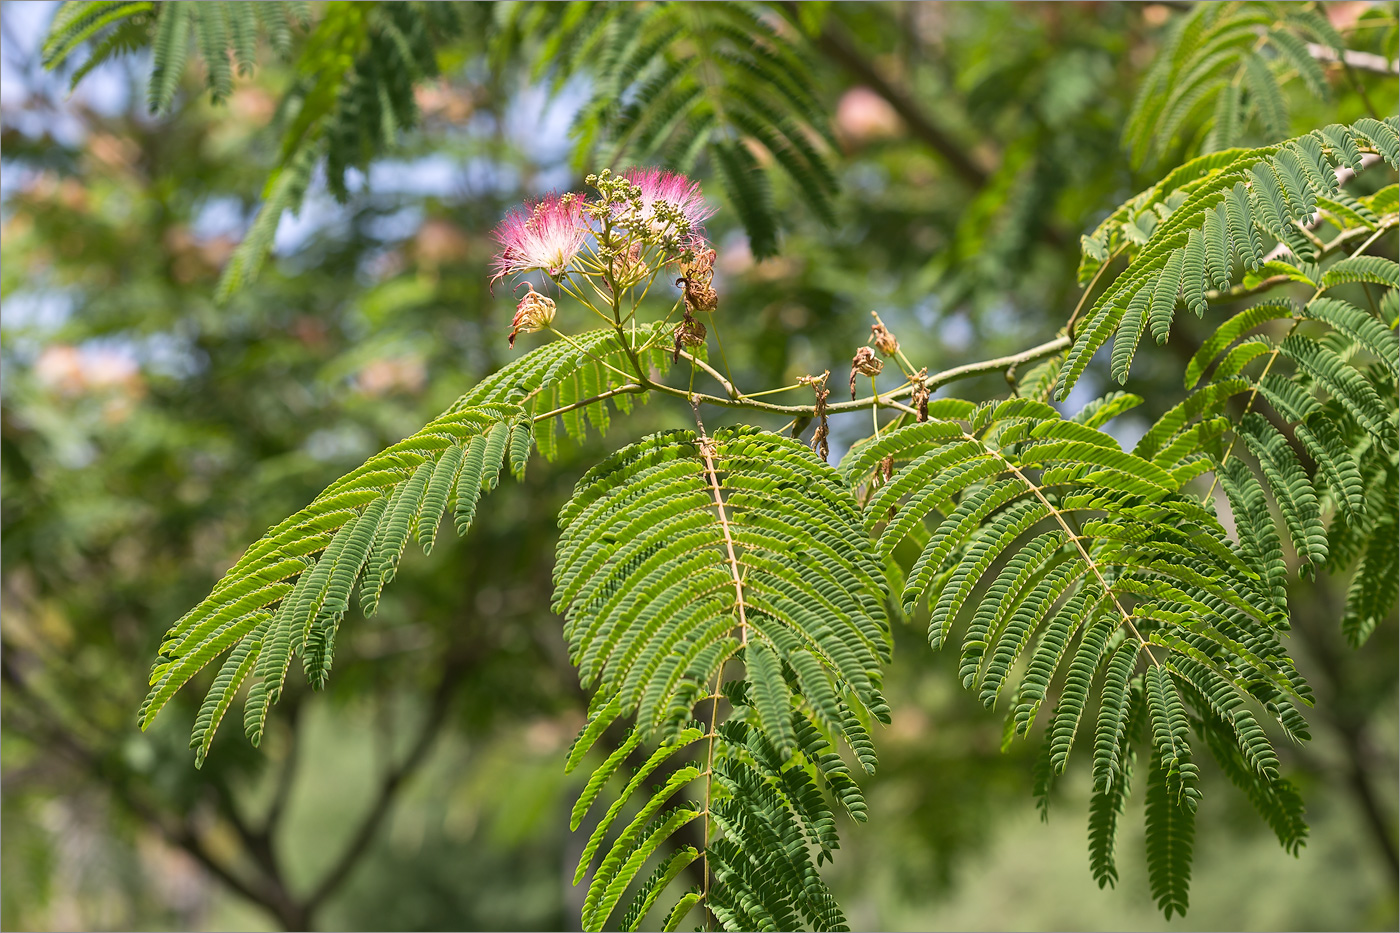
(281, 600)
(1147, 577)
(356, 71)
(225, 35)
(1171, 837)
(1329, 376)
(361, 524)
(679, 557)
(674, 82)
(1230, 60)
(1331, 373)
(724, 594)
(1216, 214)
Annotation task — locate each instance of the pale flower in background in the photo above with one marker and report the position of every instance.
(392, 374)
(863, 116)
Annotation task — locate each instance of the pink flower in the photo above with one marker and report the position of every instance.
(675, 190)
(546, 235)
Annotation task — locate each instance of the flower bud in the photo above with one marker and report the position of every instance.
(628, 268)
(535, 312)
(864, 363)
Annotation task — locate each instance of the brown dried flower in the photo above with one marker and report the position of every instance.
(921, 393)
(819, 436)
(884, 341)
(696, 276)
(689, 333)
(864, 363)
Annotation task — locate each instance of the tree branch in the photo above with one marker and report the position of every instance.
(628, 389)
(1351, 727)
(288, 772)
(837, 46)
(369, 826)
(268, 893)
(1361, 61)
(886, 399)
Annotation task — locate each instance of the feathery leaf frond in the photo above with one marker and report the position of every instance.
(681, 557)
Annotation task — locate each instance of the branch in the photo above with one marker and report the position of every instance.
(364, 835)
(837, 46)
(272, 895)
(1000, 364)
(1236, 292)
(289, 770)
(1351, 724)
(714, 374)
(885, 400)
(628, 389)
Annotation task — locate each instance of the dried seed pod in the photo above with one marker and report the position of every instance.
(700, 298)
(884, 341)
(697, 275)
(921, 393)
(820, 444)
(689, 333)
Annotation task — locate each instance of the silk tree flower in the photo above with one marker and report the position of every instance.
(668, 197)
(546, 235)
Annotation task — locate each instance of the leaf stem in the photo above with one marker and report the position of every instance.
(1075, 538)
(1273, 357)
(887, 400)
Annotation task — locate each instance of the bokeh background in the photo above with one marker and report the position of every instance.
(149, 434)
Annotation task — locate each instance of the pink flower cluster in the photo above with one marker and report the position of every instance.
(673, 189)
(548, 234)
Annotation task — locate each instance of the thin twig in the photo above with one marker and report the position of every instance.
(837, 46)
(628, 389)
(714, 374)
(369, 826)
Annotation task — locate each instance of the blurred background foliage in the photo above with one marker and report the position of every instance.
(149, 433)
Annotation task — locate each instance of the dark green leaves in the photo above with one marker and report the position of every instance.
(1212, 216)
(1113, 586)
(680, 557)
(1170, 840)
(281, 599)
